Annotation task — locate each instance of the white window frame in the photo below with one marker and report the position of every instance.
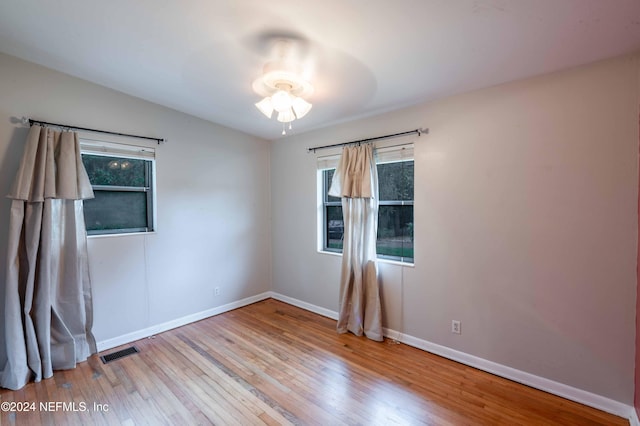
(389, 154)
(135, 152)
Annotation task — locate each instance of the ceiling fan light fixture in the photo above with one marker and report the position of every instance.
(284, 91)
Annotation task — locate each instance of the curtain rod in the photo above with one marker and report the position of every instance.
(66, 126)
(395, 135)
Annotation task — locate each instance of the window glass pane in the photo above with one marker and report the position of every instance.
(395, 181)
(115, 171)
(335, 227)
(395, 231)
(328, 178)
(116, 210)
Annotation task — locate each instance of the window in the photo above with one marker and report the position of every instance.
(395, 213)
(122, 178)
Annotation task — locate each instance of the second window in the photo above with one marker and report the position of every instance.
(395, 211)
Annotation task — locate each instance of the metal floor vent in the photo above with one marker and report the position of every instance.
(119, 354)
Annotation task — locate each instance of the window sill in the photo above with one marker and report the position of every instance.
(123, 234)
(380, 259)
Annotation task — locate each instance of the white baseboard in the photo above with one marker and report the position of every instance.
(306, 306)
(553, 387)
(556, 388)
(150, 331)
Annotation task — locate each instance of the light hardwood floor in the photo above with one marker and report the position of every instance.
(272, 363)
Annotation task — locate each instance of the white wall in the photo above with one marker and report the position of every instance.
(213, 203)
(525, 226)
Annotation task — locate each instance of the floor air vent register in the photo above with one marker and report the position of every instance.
(119, 354)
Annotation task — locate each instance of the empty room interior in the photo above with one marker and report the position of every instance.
(337, 212)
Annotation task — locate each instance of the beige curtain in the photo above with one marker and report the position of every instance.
(48, 306)
(356, 181)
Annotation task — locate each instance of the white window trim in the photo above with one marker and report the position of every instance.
(125, 150)
(382, 155)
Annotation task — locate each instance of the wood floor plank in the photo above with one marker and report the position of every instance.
(274, 364)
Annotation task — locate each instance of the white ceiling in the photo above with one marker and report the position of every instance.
(363, 56)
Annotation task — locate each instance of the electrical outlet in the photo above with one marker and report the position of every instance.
(216, 291)
(456, 327)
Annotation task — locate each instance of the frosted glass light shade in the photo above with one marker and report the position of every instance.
(288, 106)
(301, 107)
(281, 101)
(265, 106)
(286, 116)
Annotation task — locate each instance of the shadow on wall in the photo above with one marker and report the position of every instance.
(8, 169)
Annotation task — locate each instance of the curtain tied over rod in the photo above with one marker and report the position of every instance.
(48, 302)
